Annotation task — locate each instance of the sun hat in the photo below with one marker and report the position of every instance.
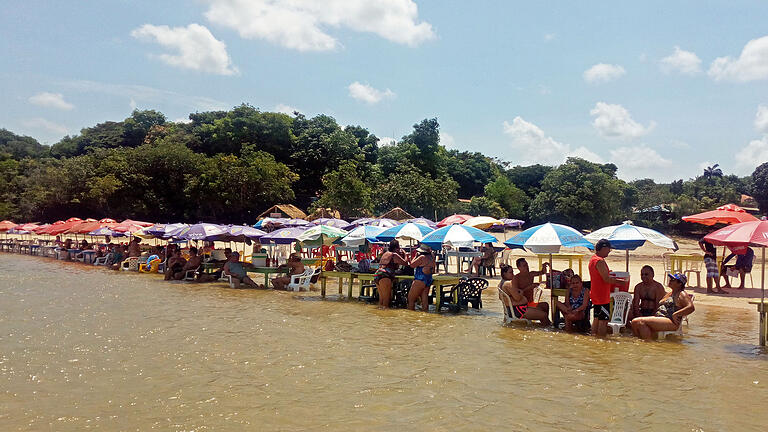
(679, 277)
(424, 248)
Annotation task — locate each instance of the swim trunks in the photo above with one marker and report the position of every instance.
(519, 310)
(602, 312)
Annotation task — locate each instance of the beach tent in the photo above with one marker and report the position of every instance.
(629, 237)
(743, 234)
(727, 214)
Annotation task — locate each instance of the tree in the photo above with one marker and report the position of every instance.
(416, 193)
(484, 206)
(19, 147)
(582, 194)
(345, 191)
(760, 187)
(712, 171)
(426, 138)
(511, 198)
(472, 171)
(528, 178)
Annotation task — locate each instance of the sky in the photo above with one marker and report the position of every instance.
(661, 89)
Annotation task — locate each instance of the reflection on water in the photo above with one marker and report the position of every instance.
(83, 347)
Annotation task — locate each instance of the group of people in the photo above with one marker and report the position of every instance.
(743, 265)
(653, 309)
(423, 265)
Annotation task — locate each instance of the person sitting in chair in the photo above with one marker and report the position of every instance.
(524, 281)
(648, 294)
(294, 266)
(519, 307)
(576, 302)
(488, 259)
(234, 268)
(743, 265)
(674, 306)
(175, 264)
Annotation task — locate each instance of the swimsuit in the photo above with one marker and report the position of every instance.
(386, 271)
(236, 269)
(711, 264)
(578, 301)
(519, 310)
(647, 311)
(419, 275)
(666, 309)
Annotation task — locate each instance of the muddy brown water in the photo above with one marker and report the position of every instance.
(86, 348)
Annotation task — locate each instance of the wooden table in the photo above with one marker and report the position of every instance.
(762, 308)
(570, 257)
(342, 277)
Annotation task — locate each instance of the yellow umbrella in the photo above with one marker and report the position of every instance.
(483, 222)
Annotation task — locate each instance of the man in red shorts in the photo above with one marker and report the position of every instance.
(523, 281)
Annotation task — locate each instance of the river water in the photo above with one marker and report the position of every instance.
(87, 348)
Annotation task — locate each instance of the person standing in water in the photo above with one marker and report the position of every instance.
(600, 287)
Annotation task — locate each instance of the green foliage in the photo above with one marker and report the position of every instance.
(472, 171)
(511, 198)
(582, 194)
(426, 138)
(486, 207)
(528, 178)
(760, 187)
(345, 191)
(19, 147)
(416, 193)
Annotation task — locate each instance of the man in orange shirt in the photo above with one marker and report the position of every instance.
(600, 290)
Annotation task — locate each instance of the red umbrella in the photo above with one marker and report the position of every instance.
(129, 225)
(89, 225)
(454, 219)
(31, 227)
(741, 235)
(63, 227)
(6, 225)
(727, 214)
(46, 228)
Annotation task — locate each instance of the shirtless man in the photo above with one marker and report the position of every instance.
(174, 265)
(520, 306)
(295, 267)
(524, 281)
(192, 263)
(134, 248)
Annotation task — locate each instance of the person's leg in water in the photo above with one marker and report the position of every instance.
(425, 298)
(538, 315)
(645, 327)
(414, 293)
(384, 287)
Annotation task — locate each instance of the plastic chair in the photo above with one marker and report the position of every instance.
(227, 279)
(621, 302)
(400, 293)
(470, 292)
(304, 280)
(102, 260)
(130, 264)
(190, 275)
(509, 319)
(694, 267)
(678, 332)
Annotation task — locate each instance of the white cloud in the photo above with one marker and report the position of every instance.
(639, 162)
(194, 45)
(761, 119)
(302, 24)
(285, 109)
(46, 127)
(755, 153)
(529, 140)
(447, 140)
(368, 94)
(148, 96)
(544, 90)
(132, 104)
(51, 100)
(681, 61)
(549, 37)
(183, 120)
(602, 72)
(614, 121)
(386, 141)
(751, 65)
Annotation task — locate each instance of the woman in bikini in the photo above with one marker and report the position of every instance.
(669, 315)
(648, 294)
(575, 306)
(385, 276)
(424, 265)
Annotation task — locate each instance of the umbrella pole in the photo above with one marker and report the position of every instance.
(627, 259)
(762, 303)
(551, 288)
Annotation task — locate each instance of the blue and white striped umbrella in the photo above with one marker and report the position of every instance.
(362, 234)
(408, 231)
(283, 235)
(548, 239)
(629, 237)
(456, 236)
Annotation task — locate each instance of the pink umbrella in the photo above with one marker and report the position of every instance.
(6, 225)
(454, 219)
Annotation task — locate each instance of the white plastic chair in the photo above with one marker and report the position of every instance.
(678, 332)
(621, 302)
(102, 260)
(508, 319)
(190, 275)
(130, 264)
(304, 280)
(694, 267)
(228, 279)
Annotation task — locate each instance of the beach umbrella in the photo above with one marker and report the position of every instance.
(283, 235)
(61, 228)
(407, 231)
(240, 233)
(727, 214)
(548, 238)
(202, 231)
(456, 236)
(423, 221)
(362, 234)
(379, 222)
(89, 225)
(483, 222)
(173, 230)
(29, 227)
(337, 223)
(744, 234)
(296, 223)
(6, 225)
(106, 232)
(47, 229)
(130, 226)
(321, 234)
(628, 237)
(454, 219)
(508, 223)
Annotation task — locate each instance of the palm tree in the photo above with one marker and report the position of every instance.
(712, 172)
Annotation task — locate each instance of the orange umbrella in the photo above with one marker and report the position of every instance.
(45, 229)
(6, 225)
(30, 227)
(727, 214)
(129, 225)
(89, 225)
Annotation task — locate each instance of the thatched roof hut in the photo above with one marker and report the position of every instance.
(397, 214)
(324, 213)
(285, 210)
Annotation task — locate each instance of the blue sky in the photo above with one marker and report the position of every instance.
(660, 88)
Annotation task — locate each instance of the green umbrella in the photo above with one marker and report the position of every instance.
(321, 234)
